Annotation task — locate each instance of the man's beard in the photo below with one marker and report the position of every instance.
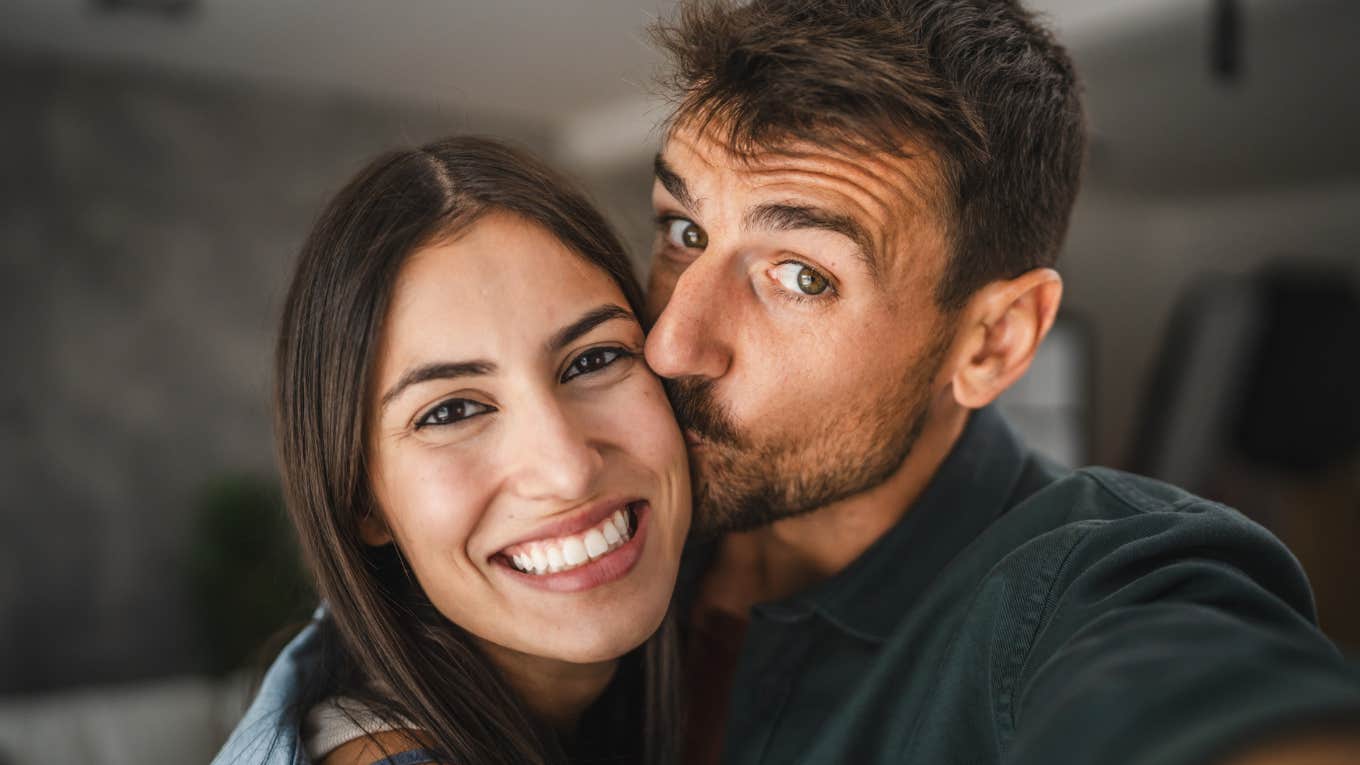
(743, 483)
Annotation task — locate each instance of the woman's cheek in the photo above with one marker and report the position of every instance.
(443, 491)
(651, 423)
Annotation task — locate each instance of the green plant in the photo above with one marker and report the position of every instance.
(245, 574)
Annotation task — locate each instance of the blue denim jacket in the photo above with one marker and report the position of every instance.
(264, 736)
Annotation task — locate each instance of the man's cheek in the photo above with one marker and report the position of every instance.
(660, 287)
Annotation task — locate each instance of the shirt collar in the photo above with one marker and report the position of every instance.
(972, 487)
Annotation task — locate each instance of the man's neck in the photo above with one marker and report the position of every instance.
(776, 561)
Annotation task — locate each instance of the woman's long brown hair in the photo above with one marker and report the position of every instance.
(384, 642)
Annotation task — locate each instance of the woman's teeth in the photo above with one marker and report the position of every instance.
(549, 556)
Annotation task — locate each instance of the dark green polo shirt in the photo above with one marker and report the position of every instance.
(1023, 613)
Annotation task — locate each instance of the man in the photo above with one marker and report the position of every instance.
(859, 207)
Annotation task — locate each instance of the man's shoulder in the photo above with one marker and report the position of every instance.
(1113, 527)
(1100, 517)
(1094, 494)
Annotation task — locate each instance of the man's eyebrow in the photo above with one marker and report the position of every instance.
(672, 182)
(782, 216)
(438, 370)
(588, 321)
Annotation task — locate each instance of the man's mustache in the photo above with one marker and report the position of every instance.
(697, 410)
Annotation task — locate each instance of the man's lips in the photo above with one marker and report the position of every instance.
(692, 438)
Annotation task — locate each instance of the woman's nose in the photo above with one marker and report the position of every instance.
(558, 458)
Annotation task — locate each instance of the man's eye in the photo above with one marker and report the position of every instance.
(451, 411)
(593, 360)
(799, 278)
(684, 233)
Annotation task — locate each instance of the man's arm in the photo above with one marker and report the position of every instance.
(1180, 637)
(1321, 749)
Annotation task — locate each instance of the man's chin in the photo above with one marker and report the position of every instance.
(734, 492)
(717, 513)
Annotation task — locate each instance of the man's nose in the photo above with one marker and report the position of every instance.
(559, 459)
(691, 336)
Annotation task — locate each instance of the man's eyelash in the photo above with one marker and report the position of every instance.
(832, 292)
(798, 299)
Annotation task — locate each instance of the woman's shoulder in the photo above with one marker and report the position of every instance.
(336, 731)
(391, 747)
(264, 734)
(336, 724)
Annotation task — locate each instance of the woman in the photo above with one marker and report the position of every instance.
(487, 481)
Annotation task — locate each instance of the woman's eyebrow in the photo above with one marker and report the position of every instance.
(588, 321)
(448, 370)
(438, 370)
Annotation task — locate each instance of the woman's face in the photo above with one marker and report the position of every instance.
(524, 458)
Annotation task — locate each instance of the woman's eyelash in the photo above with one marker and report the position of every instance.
(595, 359)
(451, 412)
(455, 410)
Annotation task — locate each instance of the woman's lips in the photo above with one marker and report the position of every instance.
(607, 567)
(578, 522)
(543, 556)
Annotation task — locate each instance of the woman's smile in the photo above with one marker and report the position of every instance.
(600, 554)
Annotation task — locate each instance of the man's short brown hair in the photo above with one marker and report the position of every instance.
(979, 82)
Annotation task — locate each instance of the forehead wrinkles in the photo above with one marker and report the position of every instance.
(845, 188)
(894, 184)
(890, 194)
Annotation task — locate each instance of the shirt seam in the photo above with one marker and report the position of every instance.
(1143, 504)
(1034, 623)
(954, 637)
(1134, 498)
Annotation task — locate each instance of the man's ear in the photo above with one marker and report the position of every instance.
(1002, 328)
(373, 531)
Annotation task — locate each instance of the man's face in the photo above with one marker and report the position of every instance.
(795, 320)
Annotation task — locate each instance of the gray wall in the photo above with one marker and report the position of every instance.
(1191, 174)
(1129, 258)
(147, 223)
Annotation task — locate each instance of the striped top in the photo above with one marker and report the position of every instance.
(341, 719)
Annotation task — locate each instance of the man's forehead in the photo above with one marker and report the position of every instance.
(887, 197)
(882, 182)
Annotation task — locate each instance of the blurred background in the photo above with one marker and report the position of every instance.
(161, 161)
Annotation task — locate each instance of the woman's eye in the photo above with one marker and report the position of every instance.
(593, 360)
(685, 233)
(451, 411)
(800, 279)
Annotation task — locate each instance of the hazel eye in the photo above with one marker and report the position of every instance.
(685, 233)
(800, 278)
(593, 360)
(452, 411)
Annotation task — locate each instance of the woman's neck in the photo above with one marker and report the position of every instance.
(557, 692)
